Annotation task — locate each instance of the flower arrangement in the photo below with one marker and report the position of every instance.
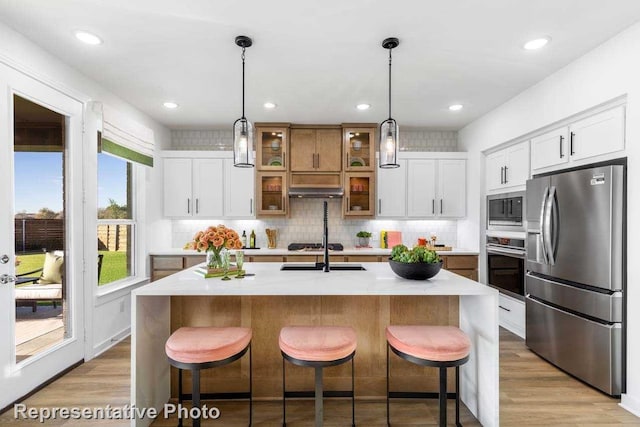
(213, 240)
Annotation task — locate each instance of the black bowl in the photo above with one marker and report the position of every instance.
(415, 270)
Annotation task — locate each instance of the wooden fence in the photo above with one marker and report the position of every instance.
(48, 234)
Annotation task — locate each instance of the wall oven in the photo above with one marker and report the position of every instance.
(506, 211)
(506, 258)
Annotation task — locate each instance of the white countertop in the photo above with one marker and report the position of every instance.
(378, 279)
(284, 252)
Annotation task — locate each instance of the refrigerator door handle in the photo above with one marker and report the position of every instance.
(542, 224)
(548, 229)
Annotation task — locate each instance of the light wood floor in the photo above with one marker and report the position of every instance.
(532, 393)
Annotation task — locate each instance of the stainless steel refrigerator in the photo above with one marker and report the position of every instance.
(575, 280)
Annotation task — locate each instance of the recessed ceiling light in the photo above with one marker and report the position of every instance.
(88, 38)
(363, 106)
(537, 43)
(170, 105)
(270, 105)
(455, 107)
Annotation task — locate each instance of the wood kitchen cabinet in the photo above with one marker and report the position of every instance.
(359, 148)
(271, 191)
(359, 194)
(508, 167)
(272, 147)
(193, 187)
(316, 149)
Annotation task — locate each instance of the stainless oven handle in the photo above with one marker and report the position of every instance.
(508, 252)
(542, 230)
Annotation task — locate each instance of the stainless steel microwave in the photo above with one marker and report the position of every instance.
(506, 211)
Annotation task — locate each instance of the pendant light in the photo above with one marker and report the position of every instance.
(389, 128)
(242, 128)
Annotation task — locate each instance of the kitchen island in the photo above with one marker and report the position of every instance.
(367, 300)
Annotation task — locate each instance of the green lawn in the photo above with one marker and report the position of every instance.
(114, 265)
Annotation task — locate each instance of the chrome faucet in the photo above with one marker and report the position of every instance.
(325, 238)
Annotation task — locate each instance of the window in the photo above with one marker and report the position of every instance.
(116, 219)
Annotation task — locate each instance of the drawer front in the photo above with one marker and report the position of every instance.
(364, 258)
(266, 258)
(159, 274)
(301, 258)
(190, 261)
(512, 314)
(469, 274)
(167, 263)
(462, 262)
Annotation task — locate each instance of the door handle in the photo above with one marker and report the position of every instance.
(379, 206)
(440, 206)
(561, 140)
(543, 208)
(284, 159)
(6, 278)
(251, 206)
(510, 207)
(197, 206)
(503, 207)
(318, 160)
(4, 259)
(506, 181)
(504, 308)
(571, 143)
(547, 232)
(433, 206)
(502, 175)
(188, 205)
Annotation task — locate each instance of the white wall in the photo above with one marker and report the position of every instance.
(609, 71)
(20, 53)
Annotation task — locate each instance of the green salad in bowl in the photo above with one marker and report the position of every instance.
(418, 263)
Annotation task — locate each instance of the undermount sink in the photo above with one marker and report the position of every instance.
(319, 267)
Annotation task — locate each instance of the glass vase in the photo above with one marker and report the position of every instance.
(214, 258)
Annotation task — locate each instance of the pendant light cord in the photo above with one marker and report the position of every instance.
(243, 49)
(390, 83)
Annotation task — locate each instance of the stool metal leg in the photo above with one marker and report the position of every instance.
(319, 397)
(179, 395)
(388, 422)
(353, 396)
(196, 394)
(250, 388)
(443, 397)
(458, 397)
(284, 401)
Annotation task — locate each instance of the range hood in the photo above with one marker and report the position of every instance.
(316, 192)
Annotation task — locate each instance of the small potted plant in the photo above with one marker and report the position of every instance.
(363, 238)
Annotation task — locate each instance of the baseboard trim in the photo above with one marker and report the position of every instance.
(108, 343)
(631, 404)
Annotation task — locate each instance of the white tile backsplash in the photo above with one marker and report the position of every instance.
(305, 222)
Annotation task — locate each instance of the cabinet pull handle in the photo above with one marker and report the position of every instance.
(440, 206)
(348, 205)
(197, 205)
(433, 206)
(284, 160)
(504, 308)
(318, 166)
(379, 206)
(188, 206)
(251, 206)
(502, 175)
(506, 181)
(571, 144)
(282, 203)
(561, 140)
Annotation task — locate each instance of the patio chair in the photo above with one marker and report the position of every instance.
(48, 285)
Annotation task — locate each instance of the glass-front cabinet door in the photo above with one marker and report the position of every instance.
(271, 148)
(359, 149)
(272, 193)
(359, 192)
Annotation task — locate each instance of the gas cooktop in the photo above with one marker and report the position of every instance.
(314, 247)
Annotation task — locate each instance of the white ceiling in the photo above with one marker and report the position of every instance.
(318, 59)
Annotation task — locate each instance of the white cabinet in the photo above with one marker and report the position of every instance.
(508, 167)
(590, 137)
(239, 193)
(392, 191)
(511, 314)
(596, 135)
(550, 149)
(208, 186)
(193, 187)
(436, 188)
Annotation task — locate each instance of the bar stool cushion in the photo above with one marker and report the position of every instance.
(318, 343)
(436, 343)
(206, 344)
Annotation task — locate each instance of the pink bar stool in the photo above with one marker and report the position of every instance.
(437, 346)
(317, 347)
(197, 348)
